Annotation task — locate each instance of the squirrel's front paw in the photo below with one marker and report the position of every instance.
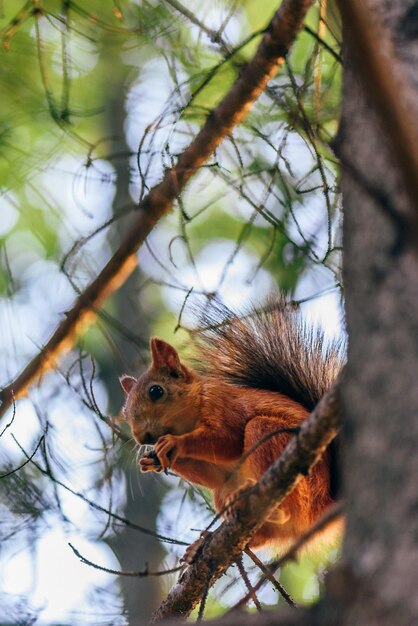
(150, 463)
(167, 449)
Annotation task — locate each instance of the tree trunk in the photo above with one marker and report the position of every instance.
(380, 390)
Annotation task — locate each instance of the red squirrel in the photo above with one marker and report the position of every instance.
(261, 372)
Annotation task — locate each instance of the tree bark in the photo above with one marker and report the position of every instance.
(380, 392)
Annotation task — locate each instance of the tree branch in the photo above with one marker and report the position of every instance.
(299, 456)
(269, 57)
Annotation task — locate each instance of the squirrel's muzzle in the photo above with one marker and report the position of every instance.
(148, 439)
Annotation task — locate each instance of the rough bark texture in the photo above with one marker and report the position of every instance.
(383, 88)
(380, 392)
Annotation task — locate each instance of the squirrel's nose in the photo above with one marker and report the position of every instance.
(148, 439)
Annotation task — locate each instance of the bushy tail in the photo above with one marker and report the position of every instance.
(269, 348)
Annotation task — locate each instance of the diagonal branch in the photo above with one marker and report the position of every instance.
(269, 57)
(222, 548)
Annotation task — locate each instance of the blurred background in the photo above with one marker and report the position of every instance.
(97, 99)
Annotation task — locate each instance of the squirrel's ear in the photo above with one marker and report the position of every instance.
(164, 356)
(127, 383)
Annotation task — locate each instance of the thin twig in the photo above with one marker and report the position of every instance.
(28, 459)
(11, 419)
(141, 574)
(324, 44)
(267, 573)
(204, 595)
(248, 584)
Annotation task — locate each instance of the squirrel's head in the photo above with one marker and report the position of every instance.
(165, 399)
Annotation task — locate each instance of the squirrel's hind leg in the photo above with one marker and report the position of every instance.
(265, 437)
(309, 498)
(264, 440)
(260, 451)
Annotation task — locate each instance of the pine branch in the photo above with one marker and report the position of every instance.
(278, 38)
(224, 546)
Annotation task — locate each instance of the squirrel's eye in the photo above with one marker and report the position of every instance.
(155, 392)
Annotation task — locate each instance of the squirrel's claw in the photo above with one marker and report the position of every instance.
(167, 450)
(147, 464)
(191, 552)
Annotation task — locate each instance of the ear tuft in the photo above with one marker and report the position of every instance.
(127, 383)
(164, 356)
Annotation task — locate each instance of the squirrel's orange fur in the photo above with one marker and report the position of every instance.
(202, 426)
